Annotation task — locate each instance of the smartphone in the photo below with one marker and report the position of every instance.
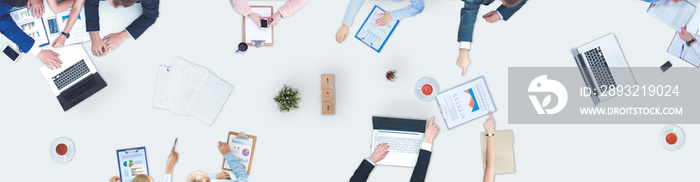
(11, 53)
(666, 66)
(263, 24)
(53, 26)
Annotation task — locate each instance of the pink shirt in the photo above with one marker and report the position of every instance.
(289, 8)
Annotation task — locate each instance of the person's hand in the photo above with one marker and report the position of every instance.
(379, 152)
(685, 35)
(223, 175)
(223, 147)
(114, 179)
(113, 40)
(342, 33)
(489, 125)
(98, 45)
(36, 7)
(492, 17)
(431, 131)
(170, 163)
(384, 19)
(256, 18)
(59, 41)
(50, 59)
(275, 19)
(463, 60)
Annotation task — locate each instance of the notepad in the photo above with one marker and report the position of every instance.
(372, 35)
(673, 14)
(505, 160)
(251, 31)
(679, 49)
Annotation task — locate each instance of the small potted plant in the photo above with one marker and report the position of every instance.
(287, 99)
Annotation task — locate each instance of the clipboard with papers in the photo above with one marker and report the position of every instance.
(132, 162)
(375, 36)
(33, 27)
(673, 14)
(251, 32)
(465, 102)
(242, 149)
(679, 49)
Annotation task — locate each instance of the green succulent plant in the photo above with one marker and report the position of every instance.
(287, 99)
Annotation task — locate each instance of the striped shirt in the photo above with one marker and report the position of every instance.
(411, 10)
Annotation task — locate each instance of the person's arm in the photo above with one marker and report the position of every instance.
(92, 15)
(465, 34)
(147, 18)
(57, 7)
(77, 6)
(236, 168)
(421, 168)
(291, 7)
(409, 11)
(507, 12)
(490, 126)
(241, 6)
(352, 10)
(362, 172)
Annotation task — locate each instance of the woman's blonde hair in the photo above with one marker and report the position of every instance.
(142, 178)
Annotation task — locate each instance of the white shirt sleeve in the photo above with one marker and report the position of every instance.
(696, 46)
(499, 14)
(465, 45)
(34, 50)
(427, 146)
(167, 178)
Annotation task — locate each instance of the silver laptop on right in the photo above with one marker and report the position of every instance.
(603, 67)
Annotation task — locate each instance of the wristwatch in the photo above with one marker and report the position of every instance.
(490, 134)
(65, 34)
(691, 41)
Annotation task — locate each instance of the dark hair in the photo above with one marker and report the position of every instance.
(16, 3)
(125, 3)
(511, 3)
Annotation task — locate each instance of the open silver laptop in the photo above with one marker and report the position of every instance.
(404, 137)
(603, 66)
(76, 80)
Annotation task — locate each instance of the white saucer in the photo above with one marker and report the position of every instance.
(669, 129)
(419, 85)
(68, 156)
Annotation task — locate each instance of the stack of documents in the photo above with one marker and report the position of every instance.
(191, 90)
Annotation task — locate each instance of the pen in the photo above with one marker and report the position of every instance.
(175, 143)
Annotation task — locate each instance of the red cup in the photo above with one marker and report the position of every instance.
(427, 89)
(671, 138)
(61, 149)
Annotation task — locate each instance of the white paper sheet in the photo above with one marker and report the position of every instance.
(675, 15)
(682, 51)
(252, 32)
(188, 89)
(465, 102)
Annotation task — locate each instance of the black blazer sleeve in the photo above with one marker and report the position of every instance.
(147, 18)
(362, 172)
(508, 12)
(92, 15)
(421, 166)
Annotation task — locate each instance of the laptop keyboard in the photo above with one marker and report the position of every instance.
(600, 69)
(400, 144)
(71, 74)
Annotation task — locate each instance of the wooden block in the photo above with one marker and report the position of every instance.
(327, 94)
(328, 108)
(327, 81)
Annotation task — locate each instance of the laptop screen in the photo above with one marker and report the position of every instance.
(385, 123)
